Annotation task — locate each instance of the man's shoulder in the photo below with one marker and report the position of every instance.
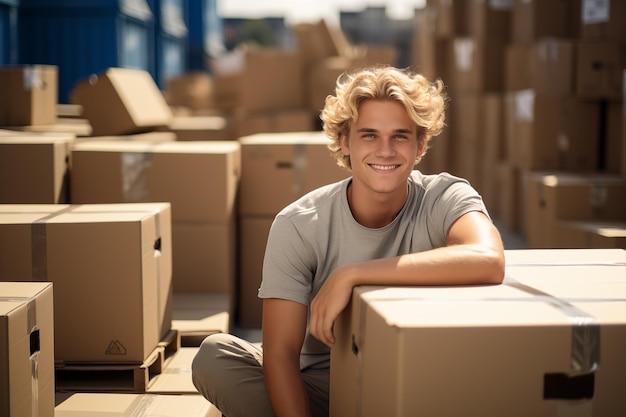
(315, 200)
(439, 180)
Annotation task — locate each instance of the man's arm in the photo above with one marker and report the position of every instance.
(284, 326)
(473, 255)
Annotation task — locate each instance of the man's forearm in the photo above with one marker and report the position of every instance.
(449, 265)
(286, 388)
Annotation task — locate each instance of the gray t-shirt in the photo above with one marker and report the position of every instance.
(317, 233)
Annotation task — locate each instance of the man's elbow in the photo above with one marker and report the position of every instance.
(494, 267)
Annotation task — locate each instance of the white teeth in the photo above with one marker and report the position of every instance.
(384, 167)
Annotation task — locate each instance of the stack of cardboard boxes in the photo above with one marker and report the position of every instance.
(537, 102)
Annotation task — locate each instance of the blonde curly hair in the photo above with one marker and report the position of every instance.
(424, 100)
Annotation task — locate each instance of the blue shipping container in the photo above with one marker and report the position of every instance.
(8, 31)
(171, 37)
(86, 37)
(206, 37)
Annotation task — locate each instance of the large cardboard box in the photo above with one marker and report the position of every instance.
(35, 168)
(555, 196)
(603, 20)
(546, 132)
(278, 168)
(547, 66)
(535, 19)
(253, 234)
(544, 347)
(111, 266)
(475, 65)
(599, 69)
(121, 101)
(199, 178)
(204, 257)
(591, 234)
(26, 349)
(29, 95)
(489, 18)
(122, 405)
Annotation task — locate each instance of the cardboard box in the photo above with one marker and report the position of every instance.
(199, 178)
(489, 18)
(555, 196)
(274, 121)
(201, 128)
(599, 70)
(532, 20)
(30, 95)
(591, 234)
(254, 231)
(176, 375)
(121, 101)
(451, 18)
(111, 266)
(603, 20)
(476, 65)
(120, 405)
(197, 315)
(204, 257)
(547, 66)
(35, 168)
(467, 137)
(545, 347)
(27, 349)
(278, 168)
(193, 90)
(552, 132)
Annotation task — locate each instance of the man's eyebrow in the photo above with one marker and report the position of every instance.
(370, 130)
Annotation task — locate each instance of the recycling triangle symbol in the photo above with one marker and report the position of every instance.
(115, 348)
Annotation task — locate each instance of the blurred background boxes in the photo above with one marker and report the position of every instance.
(30, 95)
(27, 383)
(35, 168)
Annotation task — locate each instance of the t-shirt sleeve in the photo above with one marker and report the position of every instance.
(448, 200)
(288, 264)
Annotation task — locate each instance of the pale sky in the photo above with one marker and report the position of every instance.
(296, 11)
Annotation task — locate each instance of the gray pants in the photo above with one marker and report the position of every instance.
(228, 371)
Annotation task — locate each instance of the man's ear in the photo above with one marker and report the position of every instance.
(344, 143)
(421, 147)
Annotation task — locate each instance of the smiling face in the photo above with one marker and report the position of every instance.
(383, 146)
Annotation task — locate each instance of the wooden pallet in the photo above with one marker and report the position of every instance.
(134, 378)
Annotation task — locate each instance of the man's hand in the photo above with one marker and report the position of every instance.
(329, 302)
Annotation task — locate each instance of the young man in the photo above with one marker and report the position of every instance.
(386, 225)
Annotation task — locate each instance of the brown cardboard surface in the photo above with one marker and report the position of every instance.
(407, 351)
(121, 101)
(201, 314)
(27, 349)
(30, 95)
(176, 375)
(599, 69)
(121, 405)
(278, 168)
(555, 196)
(35, 168)
(546, 132)
(591, 234)
(253, 240)
(199, 178)
(204, 257)
(111, 268)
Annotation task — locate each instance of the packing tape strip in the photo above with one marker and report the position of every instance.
(135, 166)
(39, 249)
(585, 354)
